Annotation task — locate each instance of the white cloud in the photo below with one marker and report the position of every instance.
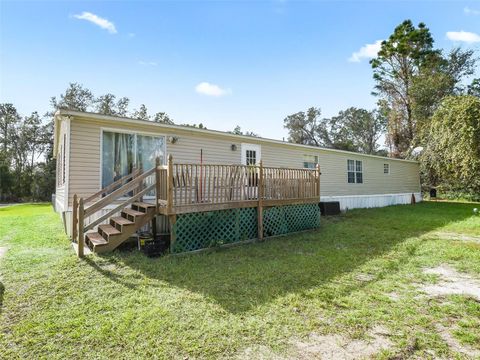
(366, 52)
(470, 11)
(463, 36)
(206, 88)
(147, 63)
(97, 20)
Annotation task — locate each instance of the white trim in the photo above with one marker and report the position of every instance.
(67, 163)
(99, 117)
(255, 147)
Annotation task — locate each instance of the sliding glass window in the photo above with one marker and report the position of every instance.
(121, 152)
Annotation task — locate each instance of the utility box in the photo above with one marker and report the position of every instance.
(328, 208)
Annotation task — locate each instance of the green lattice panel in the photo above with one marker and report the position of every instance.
(274, 221)
(206, 229)
(302, 217)
(290, 218)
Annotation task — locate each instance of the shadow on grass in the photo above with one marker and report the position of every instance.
(244, 277)
(2, 291)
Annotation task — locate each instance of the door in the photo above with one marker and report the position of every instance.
(251, 154)
(121, 152)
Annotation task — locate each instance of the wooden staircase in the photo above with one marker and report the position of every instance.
(120, 228)
(95, 220)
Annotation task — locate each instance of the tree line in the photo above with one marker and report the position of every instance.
(426, 110)
(27, 167)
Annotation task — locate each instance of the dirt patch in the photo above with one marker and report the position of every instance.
(364, 277)
(393, 296)
(342, 348)
(3, 250)
(454, 345)
(451, 282)
(455, 236)
(332, 346)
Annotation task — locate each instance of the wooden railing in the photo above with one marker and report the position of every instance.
(183, 188)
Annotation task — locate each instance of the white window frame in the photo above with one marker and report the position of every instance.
(315, 161)
(386, 166)
(254, 147)
(355, 171)
(135, 133)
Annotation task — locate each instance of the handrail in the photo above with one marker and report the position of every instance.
(189, 187)
(124, 204)
(121, 191)
(113, 185)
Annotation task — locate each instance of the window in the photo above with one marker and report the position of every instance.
(354, 171)
(386, 168)
(310, 161)
(121, 152)
(251, 157)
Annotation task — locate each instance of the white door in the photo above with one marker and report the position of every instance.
(251, 154)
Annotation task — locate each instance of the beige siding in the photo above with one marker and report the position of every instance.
(85, 174)
(85, 159)
(403, 177)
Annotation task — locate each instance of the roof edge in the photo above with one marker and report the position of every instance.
(96, 116)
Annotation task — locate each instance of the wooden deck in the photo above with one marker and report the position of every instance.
(185, 188)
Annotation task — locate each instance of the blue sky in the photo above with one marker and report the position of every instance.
(221, 63)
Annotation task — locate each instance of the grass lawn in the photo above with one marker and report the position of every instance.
(359, 271)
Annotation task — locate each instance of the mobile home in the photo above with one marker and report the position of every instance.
(93, 151)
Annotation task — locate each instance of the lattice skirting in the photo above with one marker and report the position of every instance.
(201, 230)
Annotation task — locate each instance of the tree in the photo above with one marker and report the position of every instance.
(141, 114)
(474, 88)
(412, 78)
(439, 78)
(352, 130)
(357, 130)
(238, 131)
(9, 119)
(76, 97)
(307, 128)
(451, 155)
(399, 60)
(162, 117)
(107, 105)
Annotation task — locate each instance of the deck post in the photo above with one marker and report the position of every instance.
(170, 185)
(260, 202)
(172, 218)
(74, 218)
(81, 236)
(157, 182)
(318, 180)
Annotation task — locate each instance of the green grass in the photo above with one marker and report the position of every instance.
(214, 305)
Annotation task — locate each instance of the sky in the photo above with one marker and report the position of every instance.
(220, 63)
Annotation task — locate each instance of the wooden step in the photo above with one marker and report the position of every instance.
(108, 230)
(142, 206)
(96, 239)
(131, 214)
(119, 222)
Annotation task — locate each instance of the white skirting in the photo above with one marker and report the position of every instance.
(370, 201)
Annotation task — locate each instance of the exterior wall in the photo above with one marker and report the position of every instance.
(403, 177)
(85, 161)
(85, 168)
